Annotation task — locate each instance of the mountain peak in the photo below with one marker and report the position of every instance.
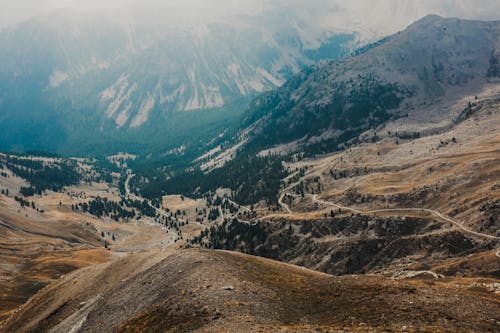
(430, 18)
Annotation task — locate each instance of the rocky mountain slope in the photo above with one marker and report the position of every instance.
(424, 81)
(322, 108)
(346, 244)
(124, 76)
(410, 204)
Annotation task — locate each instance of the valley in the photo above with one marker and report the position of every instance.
(43, 244)
(114, 78)
(358, 193)
(385, 217)
(384, 186)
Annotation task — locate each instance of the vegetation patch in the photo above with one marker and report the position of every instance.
(251, 179)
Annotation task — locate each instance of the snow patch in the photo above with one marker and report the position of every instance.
(204, 97)
(115, 105)
(116, 95)
(174, 95)
(110, 92)
(209, 154)
(176, 151)
(211, 97)
(123, 116)
(269, 77)
(146, 107)
(257, 85)
(234, 69)
(193, 103)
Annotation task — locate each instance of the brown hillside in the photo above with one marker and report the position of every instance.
(207, 291)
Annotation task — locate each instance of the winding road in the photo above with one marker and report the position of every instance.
(221, 213)
(431, 211)
(370, 212)
(127, 186)
(350, 209)
(284, 205)
(238, 205)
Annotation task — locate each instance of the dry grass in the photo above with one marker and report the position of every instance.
(38, 248)
(456, 177)
(218, 291)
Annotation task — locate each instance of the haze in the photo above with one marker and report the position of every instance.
(381, 16)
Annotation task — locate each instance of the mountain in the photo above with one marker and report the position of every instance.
(419, 82)
(107, 77)
(379, 171)
(405, 75)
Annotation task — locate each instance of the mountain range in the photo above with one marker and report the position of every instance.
(82, 77)
(222, 160)
(137, 78)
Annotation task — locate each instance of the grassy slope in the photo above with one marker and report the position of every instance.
(205, 291)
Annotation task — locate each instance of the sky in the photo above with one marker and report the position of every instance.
(16, 11)
(377, 11)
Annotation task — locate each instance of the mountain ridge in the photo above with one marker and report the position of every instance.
(404, 73)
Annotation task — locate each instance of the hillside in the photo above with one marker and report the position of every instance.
(37, 250)
(361, 195)
(401, 203)
(410, 74)
(43, 237)
(415, 270)
(424, 274)
(417, 83)
(358, 211)
(206, 291)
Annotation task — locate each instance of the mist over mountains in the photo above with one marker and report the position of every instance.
(104, 74)
(125, 76)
